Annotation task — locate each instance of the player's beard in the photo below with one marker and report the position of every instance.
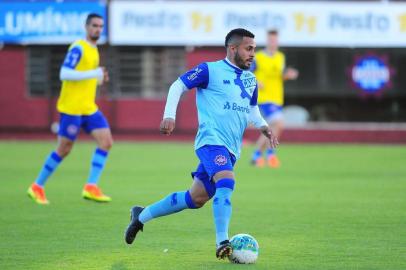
(240, 62)
(94, 37)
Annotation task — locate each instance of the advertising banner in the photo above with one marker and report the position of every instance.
(46, 22)
(308, 24)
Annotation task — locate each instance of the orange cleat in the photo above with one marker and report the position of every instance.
(273, 162)
(94, 193)
(37, 193)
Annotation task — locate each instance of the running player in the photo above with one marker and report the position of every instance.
(80, 73)
(269, 69)
(226, 101)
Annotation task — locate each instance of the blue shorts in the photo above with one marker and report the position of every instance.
(270, 111)
(213, 159)
(70, 125)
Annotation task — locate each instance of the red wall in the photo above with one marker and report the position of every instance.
(18, 111)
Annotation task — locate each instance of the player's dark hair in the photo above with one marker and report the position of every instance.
(235, 36)
(91, 16)
(273, 32)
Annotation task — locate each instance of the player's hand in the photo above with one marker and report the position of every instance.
(291, 74)
(269, 134)
(106, 77)
(167, 126)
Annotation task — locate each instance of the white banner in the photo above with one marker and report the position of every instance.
(309, 24)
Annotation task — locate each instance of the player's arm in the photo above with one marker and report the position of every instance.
(289, 73)
(175, 92)
(197, 77)
(68, 72)
(256, 119)
(259, 122)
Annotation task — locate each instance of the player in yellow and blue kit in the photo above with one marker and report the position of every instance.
(269, 68)
(226, 100)
(80, 74)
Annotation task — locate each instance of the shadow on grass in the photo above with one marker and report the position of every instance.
(119, 266)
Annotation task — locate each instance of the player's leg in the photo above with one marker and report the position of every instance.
(262, 142)
(222, 210)
(277, 126)
(96, 124)
(69, 126)
(193, 198)
(261, 146)
(175, 202)
(218, 163)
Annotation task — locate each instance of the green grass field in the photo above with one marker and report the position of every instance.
(328, 207)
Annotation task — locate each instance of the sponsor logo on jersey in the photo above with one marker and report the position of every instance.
(235, 107)
(193, 76)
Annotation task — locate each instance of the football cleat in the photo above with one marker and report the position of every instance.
(37, 193)
(224, 250)
(273, 162)
(94, 193)
(135, 225)
(259, 162)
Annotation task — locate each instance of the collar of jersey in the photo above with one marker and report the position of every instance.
(90, 44)
(237, 69)
(269, 54)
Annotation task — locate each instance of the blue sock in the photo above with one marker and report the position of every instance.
(257, 154)
(98, 161)
(172, 203)
(51, 163)
(270, 152)
(222, 208)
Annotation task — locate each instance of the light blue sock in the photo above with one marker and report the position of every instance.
(172, 203)
(51, 163)
(270, 152)
(222, 208)
(257, 154)
(98, 161)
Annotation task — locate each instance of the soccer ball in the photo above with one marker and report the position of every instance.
(245, 249)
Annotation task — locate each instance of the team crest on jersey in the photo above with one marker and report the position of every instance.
(72, 130)
(247, 83)
(220, 160)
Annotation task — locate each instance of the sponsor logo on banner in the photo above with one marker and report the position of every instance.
(314, 24)
(47, 22)
(371, 74)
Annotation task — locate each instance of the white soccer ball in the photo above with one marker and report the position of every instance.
(245, 249)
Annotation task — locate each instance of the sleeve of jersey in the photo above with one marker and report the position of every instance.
(256, 118)
(196, 77)
(73, 57)
(254, 98)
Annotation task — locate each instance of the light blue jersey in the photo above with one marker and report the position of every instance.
(225, 94)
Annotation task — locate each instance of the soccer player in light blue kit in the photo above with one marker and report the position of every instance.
(226, 102)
